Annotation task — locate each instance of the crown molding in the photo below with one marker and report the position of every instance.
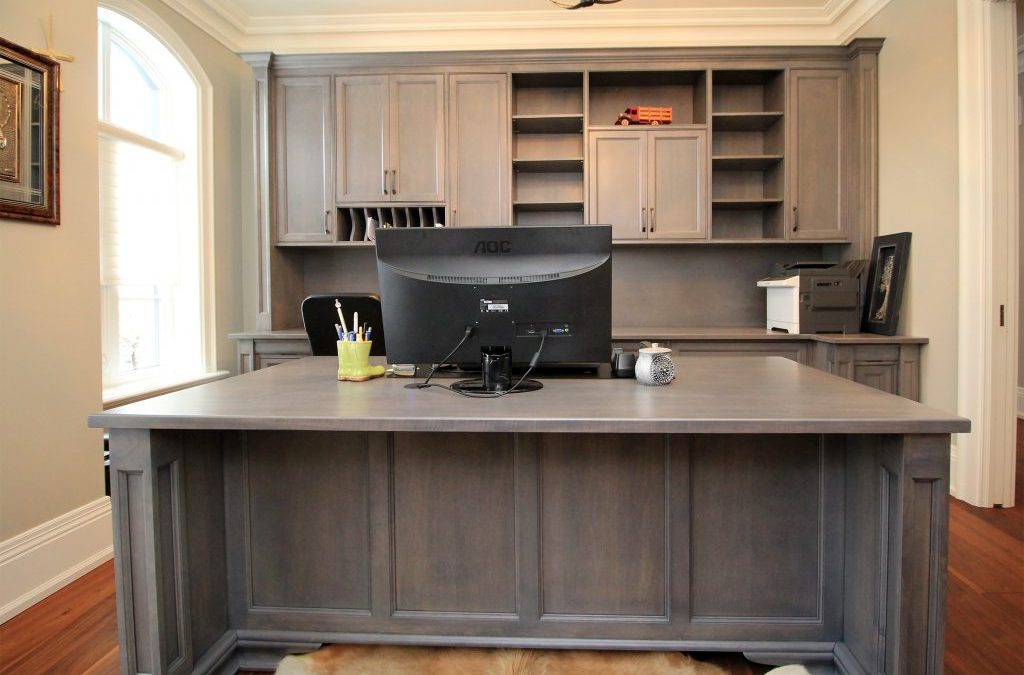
(832, 23)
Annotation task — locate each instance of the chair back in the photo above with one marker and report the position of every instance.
(319, 316)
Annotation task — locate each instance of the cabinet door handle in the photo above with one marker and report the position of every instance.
(394, 181)
(455, 217)
(643, 219)
(796, 219)
(384, 181)
(652, 219)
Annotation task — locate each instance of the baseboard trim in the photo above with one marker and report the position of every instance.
(954, 458)
(40, 561)
(1020, 399)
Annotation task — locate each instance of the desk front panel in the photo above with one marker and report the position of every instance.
(583, 536)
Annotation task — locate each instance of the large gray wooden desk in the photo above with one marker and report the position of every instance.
(754, 505)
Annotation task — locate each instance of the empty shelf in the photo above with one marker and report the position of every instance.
(548, 165)
(548, 124)
(744, 121)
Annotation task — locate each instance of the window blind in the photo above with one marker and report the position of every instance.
(139, 229)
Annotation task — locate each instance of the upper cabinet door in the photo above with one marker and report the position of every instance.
(677, 189)
(303, 143)
(417, 138)
(617, 183)
(478, 157)
(818, 154)
(362, 126)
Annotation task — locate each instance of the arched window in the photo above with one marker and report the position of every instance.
(156, 296)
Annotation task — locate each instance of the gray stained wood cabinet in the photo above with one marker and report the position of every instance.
(818, 150)
(390, 131)
(304, 145)
(649, 184)
(478, 150)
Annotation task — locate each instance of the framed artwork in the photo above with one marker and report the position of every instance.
(29, 173)
(886, 277)
(10, 128)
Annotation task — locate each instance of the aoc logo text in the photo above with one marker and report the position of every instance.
(493, 247)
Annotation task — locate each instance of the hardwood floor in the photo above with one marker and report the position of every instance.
(74, 631)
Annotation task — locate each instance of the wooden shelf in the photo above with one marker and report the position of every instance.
(744, 121)
(644, 127)
(548, 124)
(568, 165)
(547, 206)
(743, 204)
(744, 162)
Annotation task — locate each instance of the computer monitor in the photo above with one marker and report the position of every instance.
(507, 284)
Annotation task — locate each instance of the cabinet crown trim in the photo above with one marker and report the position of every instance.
(831, 22)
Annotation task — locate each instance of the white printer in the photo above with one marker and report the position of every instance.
(813, 297)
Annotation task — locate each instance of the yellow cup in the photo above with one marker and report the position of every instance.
(354, 362)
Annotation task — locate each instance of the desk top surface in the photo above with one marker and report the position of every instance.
(709, 395)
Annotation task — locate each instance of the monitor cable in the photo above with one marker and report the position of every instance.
(514, 389)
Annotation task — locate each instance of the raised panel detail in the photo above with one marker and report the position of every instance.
(756, 544)
(818, 110)
(454, 523)
(478, 186)
(604, 526)
(878, 375)
(308, 511)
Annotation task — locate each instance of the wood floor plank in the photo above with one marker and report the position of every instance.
(990, 558)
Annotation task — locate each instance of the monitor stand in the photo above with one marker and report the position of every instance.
(495, 374)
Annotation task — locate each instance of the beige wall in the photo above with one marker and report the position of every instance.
(50, 376)
(50, 463)
(918, 174)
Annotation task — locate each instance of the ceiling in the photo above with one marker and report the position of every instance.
(321, 26)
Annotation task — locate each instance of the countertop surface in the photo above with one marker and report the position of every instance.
(709, 395)
(669, 333)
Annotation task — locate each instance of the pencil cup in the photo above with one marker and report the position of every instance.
(654, 365)
(354, 362)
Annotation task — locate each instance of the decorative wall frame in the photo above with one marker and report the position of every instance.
(886, 276)
(29, 135)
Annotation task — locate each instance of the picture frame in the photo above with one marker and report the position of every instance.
(29, 135)
(887, 271)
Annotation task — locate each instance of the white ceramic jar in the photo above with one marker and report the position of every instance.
(654, 365)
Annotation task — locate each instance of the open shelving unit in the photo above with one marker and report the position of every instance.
(547, 148)
(357, 223)
(748, 142)
(685, 91)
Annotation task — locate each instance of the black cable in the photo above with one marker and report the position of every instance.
(426, 383)
(481, 394)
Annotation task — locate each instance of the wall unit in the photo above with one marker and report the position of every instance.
(390, 131)
(547, 159)
(638, 178)
(304, 144)
(747, 153)
(478, 156)
(526, 136)
(819, 146)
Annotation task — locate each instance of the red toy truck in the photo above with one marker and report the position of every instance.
(652, 115)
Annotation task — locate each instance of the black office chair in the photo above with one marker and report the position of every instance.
(319, 316)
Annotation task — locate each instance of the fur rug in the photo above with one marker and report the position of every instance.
(384, 660)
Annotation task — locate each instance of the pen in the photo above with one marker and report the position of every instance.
(355, 322)
(368, 332)
(341, 317)
(359, 335)
(337, 328)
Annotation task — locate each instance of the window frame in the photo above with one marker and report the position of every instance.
(157, 381)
